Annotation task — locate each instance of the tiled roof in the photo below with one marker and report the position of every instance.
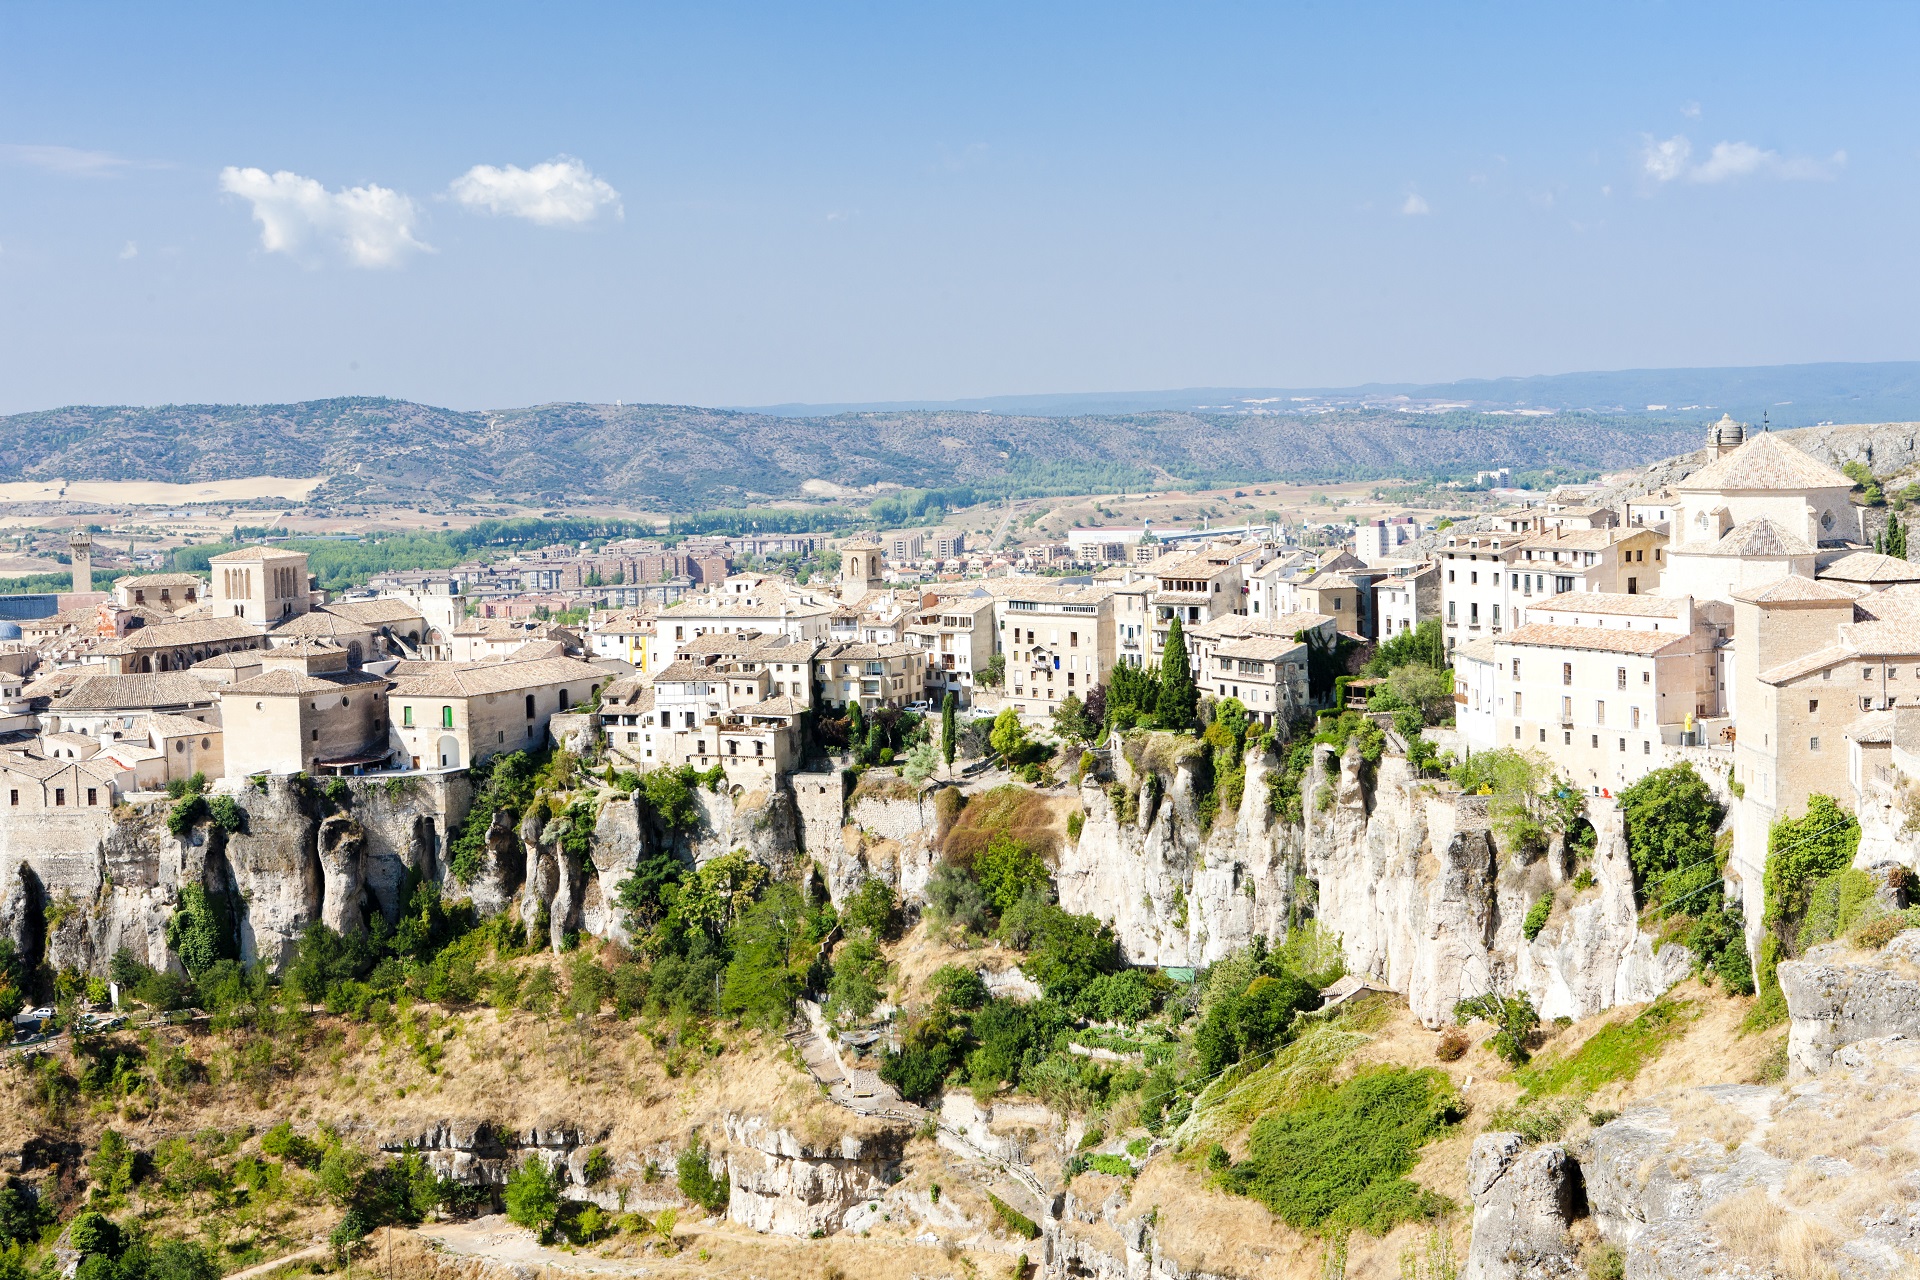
(127, 693)
(1870, 566)
(178, 635)
(1756, 537)
(1797, 590)
(253, 555)
(1601, 639)
(173, 726)
(228, 661)
(1259, 648)
(282, 682)
(160, 580)
(1806, 664)
(1612, 602)
(317, 623)
(781, 706)
(1764, 462)
(1576, 539)
(466, 679)
(374, 613)
(1478, 649)
(1873, 727)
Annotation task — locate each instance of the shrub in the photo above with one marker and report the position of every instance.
(1539, 1120)
(1606, 1262)
(1453, 1045)
(1112, 1166)
(1009, 870)
(956, 902)
(1514, 1019)
(1014, 1220)
(225, 813)
(1615, 1052)
(597, 1167)
(875, 909)
(1340, 1158)
(1878, 933)
(282, 1143)
(1536, 918)
(1076, 823)
(697, 1182)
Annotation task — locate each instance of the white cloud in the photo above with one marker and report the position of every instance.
(1415, 207)
(70, 161)
(1672, 159)
(558, 192)
(371, 225)
(1691, 110)
(129, 252)
(1667, 160)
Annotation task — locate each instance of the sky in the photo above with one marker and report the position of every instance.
(484, 206)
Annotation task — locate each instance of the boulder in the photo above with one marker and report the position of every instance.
(1524, 1199)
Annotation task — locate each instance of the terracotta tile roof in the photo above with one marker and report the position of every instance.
(1260, 648)
(172, 634)
(1756, 537)
(374, 613)
(1870, 566)
(1874, 727)
(1612, 602)
(1600, 639)
(1478, 649)
(1806, 664)
(160, 580)
(254, 555)
(1796, 590)
(128, 693)
(466, 679)
(1765, 462)
(282, 682)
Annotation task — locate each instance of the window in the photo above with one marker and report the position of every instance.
(316, 735)
(1623, 744)
(1866, 673)
(1813, 744)
(406, 717)
(1543, 735)
(1473, 614)
(1516, 733)
(446, 717)
(1566, 710)
(1473, 578)
(1496, 615)
(1566, 673)
(1516, 668)
(1646, 677)
(1449, 575)
(1646, 746)
(1813, 705)
(1620, 678)
(60, 796)
(1596, 739)
(1516, 704)
(1633, 718)
(1599, 713)
(1451, 615)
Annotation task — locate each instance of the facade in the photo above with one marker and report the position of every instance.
(958, 635)
(166, 591)
(1405, 598)
(1600, 701)
(1476, 693)
(873, 675)
(469, 711)
(1267, 673)
(263, 585)
(1057, 640)
(313, 717)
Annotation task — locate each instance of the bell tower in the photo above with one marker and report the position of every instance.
(80, 549)
(861, 565)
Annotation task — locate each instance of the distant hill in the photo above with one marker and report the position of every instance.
(1794, 395)
(682, 458)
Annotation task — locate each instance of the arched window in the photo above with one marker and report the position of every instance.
(529, 706)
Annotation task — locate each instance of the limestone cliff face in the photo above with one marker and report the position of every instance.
(783, 1184)
(75, 891)
(1408, 875)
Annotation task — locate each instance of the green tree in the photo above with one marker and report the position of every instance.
(1009, 736)
(1008, 870)
(532, 1197)
(949, 705)
(771, 955)
(1070, 720)
(1800, 852)
(1179, 698)
(1423, 646)
(1670, 817)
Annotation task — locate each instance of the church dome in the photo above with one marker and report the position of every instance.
(1726, 433)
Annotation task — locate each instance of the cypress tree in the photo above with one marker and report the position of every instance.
(947, 705)
(1178, 696)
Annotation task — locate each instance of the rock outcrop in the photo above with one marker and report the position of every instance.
(1836, 996)
(785, 1184)
(1524, 1201)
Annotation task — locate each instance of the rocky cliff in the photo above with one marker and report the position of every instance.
(1408, 875)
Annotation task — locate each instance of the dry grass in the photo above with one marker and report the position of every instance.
(1705, 1119)
(1759, 1230)
(922, 953)
(1038, 821)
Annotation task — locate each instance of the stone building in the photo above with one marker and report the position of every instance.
(461, 713)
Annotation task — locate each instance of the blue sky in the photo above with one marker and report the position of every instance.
(479, 205)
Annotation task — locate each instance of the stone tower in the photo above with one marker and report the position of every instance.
(861, 562)
(80, 548)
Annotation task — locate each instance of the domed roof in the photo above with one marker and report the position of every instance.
(1726, 432)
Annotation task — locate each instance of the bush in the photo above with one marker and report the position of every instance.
(1014, 1220)
(1340, 1158)
(224, 813)
(875, 909)
(283, 1143)
(955, 901)
(1066, 952)
(1514, 1020)
(597, 1167)
(697, 1182)
(1878, 933)
(1009, 870)
(1453, 1045)
(1536, 918)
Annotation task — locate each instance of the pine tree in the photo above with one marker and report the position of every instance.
(947, 705)
(1178, 697)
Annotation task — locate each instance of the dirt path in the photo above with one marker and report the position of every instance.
(311, 1251)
